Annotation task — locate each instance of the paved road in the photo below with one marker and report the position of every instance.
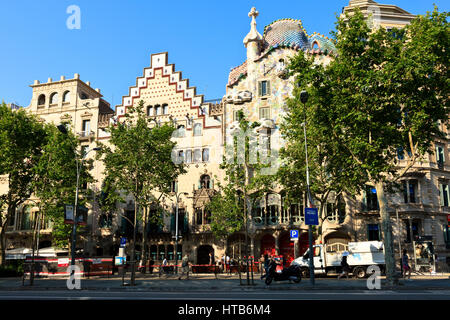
(235, 296)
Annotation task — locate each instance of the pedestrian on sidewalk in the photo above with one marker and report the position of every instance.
(405, 265)
(344, 265)
(185, 267)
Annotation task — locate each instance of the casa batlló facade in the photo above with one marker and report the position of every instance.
(258, 87)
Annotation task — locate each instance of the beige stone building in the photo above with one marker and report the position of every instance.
(259, 87)
(65, 101)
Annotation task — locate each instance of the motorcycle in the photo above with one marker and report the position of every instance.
(293, 273)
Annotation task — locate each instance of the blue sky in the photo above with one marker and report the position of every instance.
(116, 39)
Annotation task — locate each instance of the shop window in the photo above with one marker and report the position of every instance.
(153, 252)
(161, 252)
(447, 236)
(170, 252)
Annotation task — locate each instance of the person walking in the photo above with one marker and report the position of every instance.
(165, 268)
(344, 265)
(185, 267)
(405, 265)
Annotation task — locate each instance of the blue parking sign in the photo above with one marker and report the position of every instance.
(294, 235)
(123, 242)
(311, 217)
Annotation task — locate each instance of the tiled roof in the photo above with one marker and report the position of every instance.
(236, 73)
(285, 32)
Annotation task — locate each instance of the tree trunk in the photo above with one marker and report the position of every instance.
(387, 232)
(144, 239)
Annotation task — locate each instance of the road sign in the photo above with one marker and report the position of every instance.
(123, 242)
(311, 217)
(294, 235)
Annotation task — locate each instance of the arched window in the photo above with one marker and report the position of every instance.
(54, 98)
(205, 181)
(41, 100)
(197, 129)
(181, 132)
(66, 96)
(205, 155)
(165, 108)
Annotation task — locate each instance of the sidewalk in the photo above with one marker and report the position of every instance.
(206, 282)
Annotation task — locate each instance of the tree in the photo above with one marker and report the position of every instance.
(383, 91)
(21, 139)
(326, 175)
(56, 177)
(139, 161)
(245, 181)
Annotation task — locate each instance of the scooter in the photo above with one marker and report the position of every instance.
(293, 273)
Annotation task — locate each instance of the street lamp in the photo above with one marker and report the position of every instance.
(79, 163)
(177, 196)
(304, 99)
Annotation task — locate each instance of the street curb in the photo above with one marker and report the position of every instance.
(221, 289)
